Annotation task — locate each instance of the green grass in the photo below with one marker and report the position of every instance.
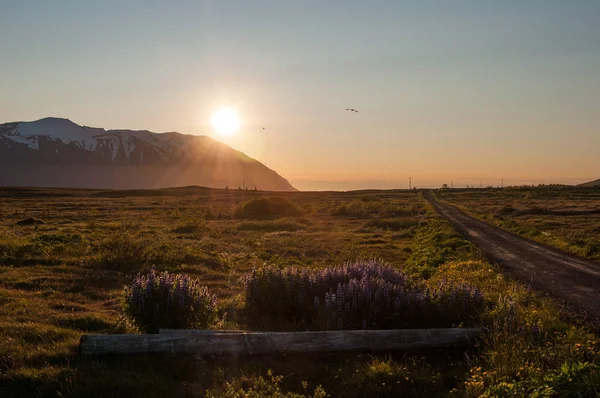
(65, 277)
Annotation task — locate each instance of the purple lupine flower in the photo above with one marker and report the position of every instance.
(362, 287)
(152, 298)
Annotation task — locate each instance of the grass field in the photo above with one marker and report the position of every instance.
(65, 276)
(567, 218)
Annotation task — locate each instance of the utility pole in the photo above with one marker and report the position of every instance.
(451, 184)
(502, 180)
(480, 183)
(409, 182)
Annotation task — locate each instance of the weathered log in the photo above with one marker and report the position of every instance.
(259, 343)
(207, 332)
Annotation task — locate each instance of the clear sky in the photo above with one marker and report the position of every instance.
(447, 90)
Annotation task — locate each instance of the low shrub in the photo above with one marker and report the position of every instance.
(360, 208)
(360, 295)
(283, 224)
(260, 387)
(579, 379)
(190, 227)
(267, 208)
(385, 377)
(392, 224)
(170, 301)
(356, 208)
(129, 253)
(121, 251)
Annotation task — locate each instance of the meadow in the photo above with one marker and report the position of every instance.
(565, 217)
(63, 275)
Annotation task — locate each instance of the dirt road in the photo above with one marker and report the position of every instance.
(570, 278)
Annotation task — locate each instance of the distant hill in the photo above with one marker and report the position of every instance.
(591, 184)
(54, 152)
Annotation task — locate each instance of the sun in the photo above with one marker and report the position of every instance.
(225, 121)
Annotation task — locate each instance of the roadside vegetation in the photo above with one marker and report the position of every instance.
(564, 217)
(532, 346)
(66, 277)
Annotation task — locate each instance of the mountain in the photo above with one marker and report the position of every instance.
(591, 184)
(54, 152)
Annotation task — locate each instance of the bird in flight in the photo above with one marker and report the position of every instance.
(351, 110)
(264, 128)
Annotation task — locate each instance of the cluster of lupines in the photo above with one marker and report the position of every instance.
(163, 300)
(375, 303)
(365, 294)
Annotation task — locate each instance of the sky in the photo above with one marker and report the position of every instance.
(461, 92)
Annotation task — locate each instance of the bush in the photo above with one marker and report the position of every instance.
(392, 224)
(356, 208)
(123, 251)
(271, 225)
(155, 301)
(190, 227)
(267, 208)
(361, 295)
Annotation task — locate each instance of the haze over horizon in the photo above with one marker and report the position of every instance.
(457, 92)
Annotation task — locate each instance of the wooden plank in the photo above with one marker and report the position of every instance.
(259, 343)
(207, 332)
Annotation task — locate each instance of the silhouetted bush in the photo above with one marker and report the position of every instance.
(155, 301)
(267, 208)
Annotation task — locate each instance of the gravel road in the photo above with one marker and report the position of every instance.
(572, 279)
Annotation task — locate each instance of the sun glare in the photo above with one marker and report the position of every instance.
(225, 121)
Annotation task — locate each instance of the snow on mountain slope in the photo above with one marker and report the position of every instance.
(58, 152)
(89, 138)
(54, 128)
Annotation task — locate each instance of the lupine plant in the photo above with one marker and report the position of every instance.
(163, 300)
(360, 295)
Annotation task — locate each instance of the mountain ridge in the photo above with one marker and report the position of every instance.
(53, 152)
(589, 184)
